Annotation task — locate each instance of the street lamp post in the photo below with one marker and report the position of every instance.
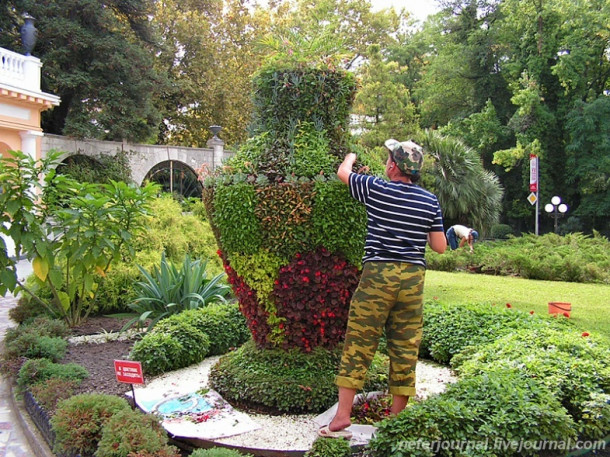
(556, 208)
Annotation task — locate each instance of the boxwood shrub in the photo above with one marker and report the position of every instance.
(448, 329)
(483, 410)
(574, 368)
(38, 370)
(224, 325)
(78, 421)
(131, 432)
(169, 347)
(523, 379)
(279, 381)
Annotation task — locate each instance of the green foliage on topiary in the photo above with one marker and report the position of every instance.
(283, 97)
(156, 352)
(499, 406)
(128, 432)
(339, 221)
(234, 215)
(224, 324)
(78, 421)
(278, 198)
(38, 370)
(325, 447)
(285, 381)
(259, 270)
(194, 343)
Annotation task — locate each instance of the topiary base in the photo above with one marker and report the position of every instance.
(275, 381)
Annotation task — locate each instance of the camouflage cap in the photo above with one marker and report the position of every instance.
(408, 155)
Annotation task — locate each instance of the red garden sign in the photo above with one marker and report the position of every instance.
(128, 371)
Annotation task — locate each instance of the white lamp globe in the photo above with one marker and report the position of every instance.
(563, 208)
(549, 208)
(556, 200)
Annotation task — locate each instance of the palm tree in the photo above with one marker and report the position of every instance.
(467, 192)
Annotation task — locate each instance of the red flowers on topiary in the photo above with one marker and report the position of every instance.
(315, 314)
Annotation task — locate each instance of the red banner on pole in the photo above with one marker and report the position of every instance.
(128, 371)
(533, 173)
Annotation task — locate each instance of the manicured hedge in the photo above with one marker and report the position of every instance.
(523, 379)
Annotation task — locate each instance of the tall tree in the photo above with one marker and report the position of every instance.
(97, 57)
(588, 161)
(210, 51)
(383, 104)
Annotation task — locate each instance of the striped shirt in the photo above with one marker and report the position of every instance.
(400, 215)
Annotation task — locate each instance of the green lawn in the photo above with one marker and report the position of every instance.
(590, 302)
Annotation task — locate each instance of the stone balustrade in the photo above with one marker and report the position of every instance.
(19, 71)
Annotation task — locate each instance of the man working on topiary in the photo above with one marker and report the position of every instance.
(402, 217)
(464, 234)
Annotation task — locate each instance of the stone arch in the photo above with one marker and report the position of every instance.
(175, 177)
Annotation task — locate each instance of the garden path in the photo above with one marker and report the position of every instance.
(16, 437)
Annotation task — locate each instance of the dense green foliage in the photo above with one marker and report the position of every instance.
(101, 97)
(523, 378)
(574, 257)
(223, 323)
(481, 410)
(169, 290)
(169, 347)
(71, 231)
(38, 370)
(79, 420)
(101, 169)
(324, 447)
(169, 231)
(281, 217)
(285, 381)
(131, 431)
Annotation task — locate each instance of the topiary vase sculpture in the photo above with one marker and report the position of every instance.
(291, 238)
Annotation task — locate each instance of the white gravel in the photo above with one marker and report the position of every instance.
(291, 432)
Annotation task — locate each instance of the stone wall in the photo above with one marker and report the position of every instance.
(142, 157)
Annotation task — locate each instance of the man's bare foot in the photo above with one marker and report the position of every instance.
(337, 424)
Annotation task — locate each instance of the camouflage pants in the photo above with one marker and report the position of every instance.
(390, 296)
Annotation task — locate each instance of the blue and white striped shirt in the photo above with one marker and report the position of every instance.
(400, 215)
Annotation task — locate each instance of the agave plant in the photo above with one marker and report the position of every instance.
(168, 290)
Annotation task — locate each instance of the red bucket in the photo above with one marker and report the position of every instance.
(557, 307)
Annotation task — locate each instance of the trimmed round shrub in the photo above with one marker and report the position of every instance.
(128, 432)
(279, 381)
(495, 407)
(38, 370)
(194, 344)
(34, 346)
(79, 420)
(157, 352)
(50, 392)
(224, 324)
